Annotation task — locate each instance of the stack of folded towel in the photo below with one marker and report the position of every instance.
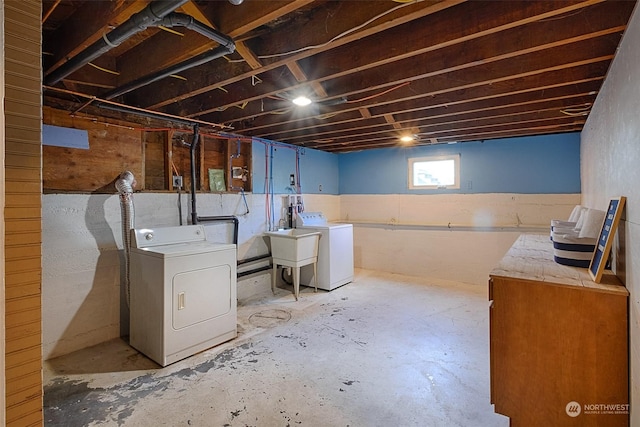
(574, 240)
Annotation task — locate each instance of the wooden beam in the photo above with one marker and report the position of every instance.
(194, 10)
(300, 76)
(552, 83)
(86, 26)
(443, 81)
(501, 46)
(366, 114)
(389, 118)
(297, 71)
(248, 55)
(306, 36)
(236, 21)
(50, 11)
(162, 50)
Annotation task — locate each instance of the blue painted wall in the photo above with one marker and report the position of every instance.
(318, 169)
(529, 165)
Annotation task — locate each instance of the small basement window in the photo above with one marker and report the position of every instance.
(434, 172)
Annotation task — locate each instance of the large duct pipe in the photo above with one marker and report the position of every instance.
(125, 185)
(150, 15)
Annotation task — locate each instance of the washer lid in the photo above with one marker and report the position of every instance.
(184, 249)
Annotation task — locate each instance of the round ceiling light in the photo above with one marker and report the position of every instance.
(407, 138)
(302, 101)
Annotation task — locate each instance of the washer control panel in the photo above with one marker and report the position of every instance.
(307, 219)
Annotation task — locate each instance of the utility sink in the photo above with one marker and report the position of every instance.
(294, 245)
(294, 248)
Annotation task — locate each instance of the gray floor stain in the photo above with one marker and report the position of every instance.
(75, 403)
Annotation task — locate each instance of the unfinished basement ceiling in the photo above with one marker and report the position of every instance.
(441, 71)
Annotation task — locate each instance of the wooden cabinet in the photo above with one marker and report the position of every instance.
(558, 341)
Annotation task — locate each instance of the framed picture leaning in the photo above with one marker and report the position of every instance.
(605, 239)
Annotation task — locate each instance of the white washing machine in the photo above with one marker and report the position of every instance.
(182, 292)
(335, 251)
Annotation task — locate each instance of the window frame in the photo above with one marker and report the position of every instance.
(456, 164)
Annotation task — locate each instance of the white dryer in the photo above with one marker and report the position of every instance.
(335, 251)
(182, 292)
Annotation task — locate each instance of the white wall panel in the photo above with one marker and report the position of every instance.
(410, 234)
(610, 159)
(82, 244)
(463, 210)
(82, 254)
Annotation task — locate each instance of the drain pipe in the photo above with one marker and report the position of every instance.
(125, 185)
(203, 58)
(195, 219)
(226, 47)
(223, 218)
(149, 16)
(192, 152)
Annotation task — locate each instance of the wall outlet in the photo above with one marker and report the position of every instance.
(177, 181)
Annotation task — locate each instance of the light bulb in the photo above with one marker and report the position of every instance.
(302, 101)
(407, 138)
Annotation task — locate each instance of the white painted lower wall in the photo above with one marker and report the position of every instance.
(449, 236)
(610, 167)
(83, 302)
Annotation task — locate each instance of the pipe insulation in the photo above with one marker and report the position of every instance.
(149, 16)
(125, 185)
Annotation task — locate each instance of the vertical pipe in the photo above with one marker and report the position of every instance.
(272, 208)
(124, 185)
(194, 143)
(225, 218)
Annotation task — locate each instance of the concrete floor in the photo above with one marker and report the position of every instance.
(384, 350)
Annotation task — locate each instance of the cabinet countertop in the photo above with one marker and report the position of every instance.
(531, 258)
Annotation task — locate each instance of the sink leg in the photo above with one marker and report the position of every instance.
(315, 276)
(274, 275)
(296, 281)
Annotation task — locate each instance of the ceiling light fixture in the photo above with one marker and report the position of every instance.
(407, 138)
(302, 101)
